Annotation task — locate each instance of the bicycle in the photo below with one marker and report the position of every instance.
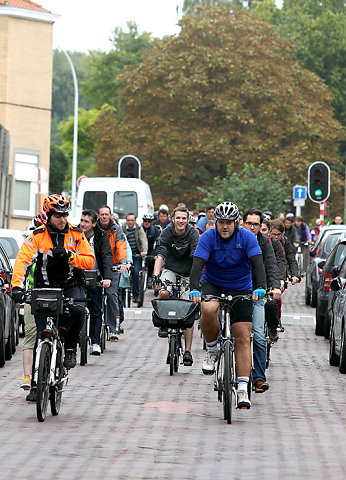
(225, 382)
(50, 375)
(176, 315)
(143, 279)
(301, 249)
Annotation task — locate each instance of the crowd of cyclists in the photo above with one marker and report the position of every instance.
(215, 252)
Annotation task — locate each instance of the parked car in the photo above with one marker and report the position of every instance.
(337, 335)
(9, 313)
(330, 269)
(11, 240)
(320, 251)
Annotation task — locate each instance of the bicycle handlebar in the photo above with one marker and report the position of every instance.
(226, 298)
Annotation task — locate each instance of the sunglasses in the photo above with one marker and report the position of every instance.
(60, 215)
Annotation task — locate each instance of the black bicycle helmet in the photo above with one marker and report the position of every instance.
(227, 211)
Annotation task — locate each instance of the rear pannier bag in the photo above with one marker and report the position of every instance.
(174, 313)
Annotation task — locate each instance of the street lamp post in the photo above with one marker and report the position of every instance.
(75, 136)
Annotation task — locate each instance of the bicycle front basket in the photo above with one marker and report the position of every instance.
(174, 312)
(47, 300)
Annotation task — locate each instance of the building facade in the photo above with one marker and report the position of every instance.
(26, 67)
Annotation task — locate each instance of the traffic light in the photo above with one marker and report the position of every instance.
(129, 167)
(318, 182)
(289, 203)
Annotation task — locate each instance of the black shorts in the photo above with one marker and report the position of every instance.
(242, 309)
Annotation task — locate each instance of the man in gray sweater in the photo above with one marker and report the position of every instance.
(176, 246)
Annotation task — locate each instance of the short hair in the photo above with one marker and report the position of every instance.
(162, 210)
(210, 223)
(253, 211)
(180, 209)
(278, 225)
(131, 213)
(299, 218)
(91, 213)
(105, 206)
(211, 207)
(266, 222)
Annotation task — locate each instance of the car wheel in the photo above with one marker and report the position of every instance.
(334, 359)
(2, 346)
(319, 328)
(8, 347)
(313, 297)
(307, 296)
(342, 364)
(326, 326)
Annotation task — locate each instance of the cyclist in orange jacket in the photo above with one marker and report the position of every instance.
(61, 250)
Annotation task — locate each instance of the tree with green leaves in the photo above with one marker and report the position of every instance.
(227, 90)
(192, 6)
(57, 169)
(63, 88)
(254, 186)
(101, 84)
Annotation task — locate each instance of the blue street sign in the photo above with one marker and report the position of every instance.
(299, 192)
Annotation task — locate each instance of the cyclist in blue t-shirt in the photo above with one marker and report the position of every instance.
(229, 256)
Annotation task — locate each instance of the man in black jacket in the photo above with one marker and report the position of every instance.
(252, 222)
(176, 246)
(99, 242)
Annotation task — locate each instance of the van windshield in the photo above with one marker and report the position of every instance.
(124, 203)
(94, 200)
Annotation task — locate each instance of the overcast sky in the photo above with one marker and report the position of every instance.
(88, 24)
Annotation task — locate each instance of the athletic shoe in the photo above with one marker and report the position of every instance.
(243, 399)
(26, 383)
(273, 335)
(32, 396)
(70, 360)
(261, 386)
(187, 359)
(95, 349)
(208, 366)
(113, 337)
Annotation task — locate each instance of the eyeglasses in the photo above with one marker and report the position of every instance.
(60, 215)
(277, 235)
(250, 224)
(147, 221)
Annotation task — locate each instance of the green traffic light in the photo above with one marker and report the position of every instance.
(318, 193)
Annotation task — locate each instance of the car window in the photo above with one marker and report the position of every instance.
(124, 203)
(342, 273)
(94, 200)
(10, 245)
(328, 244)
(340, 254)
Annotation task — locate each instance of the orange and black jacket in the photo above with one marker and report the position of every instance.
(51, 270)
(117, 241)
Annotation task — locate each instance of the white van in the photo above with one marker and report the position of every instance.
(122, 195)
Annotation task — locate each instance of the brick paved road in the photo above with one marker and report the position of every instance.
(124, 417)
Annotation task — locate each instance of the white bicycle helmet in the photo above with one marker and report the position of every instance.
(148, 216)
(227, 211)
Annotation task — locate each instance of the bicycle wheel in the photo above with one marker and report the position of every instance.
(83, 344)
(227, 382)
(55, 392)
(177, 354)
(172, 352)
(43, 383)
(142, 288)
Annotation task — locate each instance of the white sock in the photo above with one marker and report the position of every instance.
(242, 384)
(212, 345)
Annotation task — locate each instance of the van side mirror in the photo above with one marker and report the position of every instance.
(8, 277)
(321, 264)
(336, 284)
(312, 253)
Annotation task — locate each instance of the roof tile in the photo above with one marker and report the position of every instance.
(28, 4)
